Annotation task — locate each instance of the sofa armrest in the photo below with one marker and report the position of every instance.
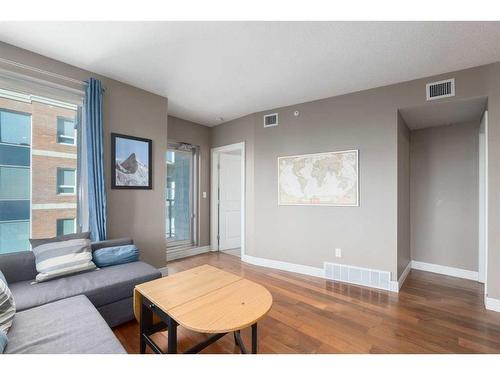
(18, 266)
(110, 243)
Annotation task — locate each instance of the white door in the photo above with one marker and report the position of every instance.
(229, 201)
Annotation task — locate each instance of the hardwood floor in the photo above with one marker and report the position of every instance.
(431, 314)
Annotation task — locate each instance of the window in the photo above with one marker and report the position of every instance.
(65, 226)
(66, 181)
(14, 183)
(15, 128)
(34, 174)
(14, 236)
(15, 180)
(182, 166)
(66, 133)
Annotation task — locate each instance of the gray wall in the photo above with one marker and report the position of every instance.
(189, 132)
(444, 195)
(366, 120)
(139, 214)
(404, 250)
(308, 235)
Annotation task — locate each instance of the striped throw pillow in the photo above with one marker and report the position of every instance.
(7, 312)
(57, 259)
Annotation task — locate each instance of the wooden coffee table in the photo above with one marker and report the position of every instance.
(204, 299)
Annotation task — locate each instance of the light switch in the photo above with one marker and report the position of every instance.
(204, 194)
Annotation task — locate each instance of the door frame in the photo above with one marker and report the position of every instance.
(483, 209)
(194, 200)
(214, 196)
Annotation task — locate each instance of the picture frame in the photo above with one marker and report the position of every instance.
(343, 164)
(131, 162)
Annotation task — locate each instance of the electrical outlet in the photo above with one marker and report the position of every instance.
(338, 252)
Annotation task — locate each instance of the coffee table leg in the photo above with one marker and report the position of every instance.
(254, 338)
(238, 341)
(144, 324)
(172, 336)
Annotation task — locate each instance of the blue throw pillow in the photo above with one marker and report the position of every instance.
(3, 341)
(111, 256)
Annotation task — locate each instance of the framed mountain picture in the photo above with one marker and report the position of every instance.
(131, 162)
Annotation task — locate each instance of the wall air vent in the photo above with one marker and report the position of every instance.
(440, 89)
(270, 120)
(358, 275)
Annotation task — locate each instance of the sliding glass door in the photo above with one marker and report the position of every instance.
(181, 195)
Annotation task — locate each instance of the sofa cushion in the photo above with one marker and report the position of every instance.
(65, 237)
(7, 307)
(110, 243)
(71, 325)
(18, 266)
(63, 258)
(111, 256)
(103, 286)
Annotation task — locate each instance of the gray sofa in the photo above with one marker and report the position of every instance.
(71, 314)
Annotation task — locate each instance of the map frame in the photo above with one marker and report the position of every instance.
(356, 157)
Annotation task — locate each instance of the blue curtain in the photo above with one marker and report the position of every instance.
(95, 160)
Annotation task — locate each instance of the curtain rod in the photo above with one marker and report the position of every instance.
(37, 70)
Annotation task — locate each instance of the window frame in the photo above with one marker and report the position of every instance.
(73, 219)
(74, 138)
(74, 187)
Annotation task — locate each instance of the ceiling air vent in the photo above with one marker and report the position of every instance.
(270, 120)
(440, 89)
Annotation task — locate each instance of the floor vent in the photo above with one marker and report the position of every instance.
(440, 89)
(270, 120)
(358, 275)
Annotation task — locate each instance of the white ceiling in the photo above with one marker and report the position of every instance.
(229, 69)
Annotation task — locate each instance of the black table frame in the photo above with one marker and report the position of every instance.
(147, 328)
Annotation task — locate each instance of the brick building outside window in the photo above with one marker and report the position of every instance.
(38, 161)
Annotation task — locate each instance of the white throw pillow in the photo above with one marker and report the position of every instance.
(7, 306)
(63, 258)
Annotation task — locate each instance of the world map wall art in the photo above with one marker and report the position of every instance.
(323, 179)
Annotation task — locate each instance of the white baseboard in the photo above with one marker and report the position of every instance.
(182, 253)
(299, 268)
(404, 275)
(492, 303)
(445, 270)
(284, 266)
(394, 287)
